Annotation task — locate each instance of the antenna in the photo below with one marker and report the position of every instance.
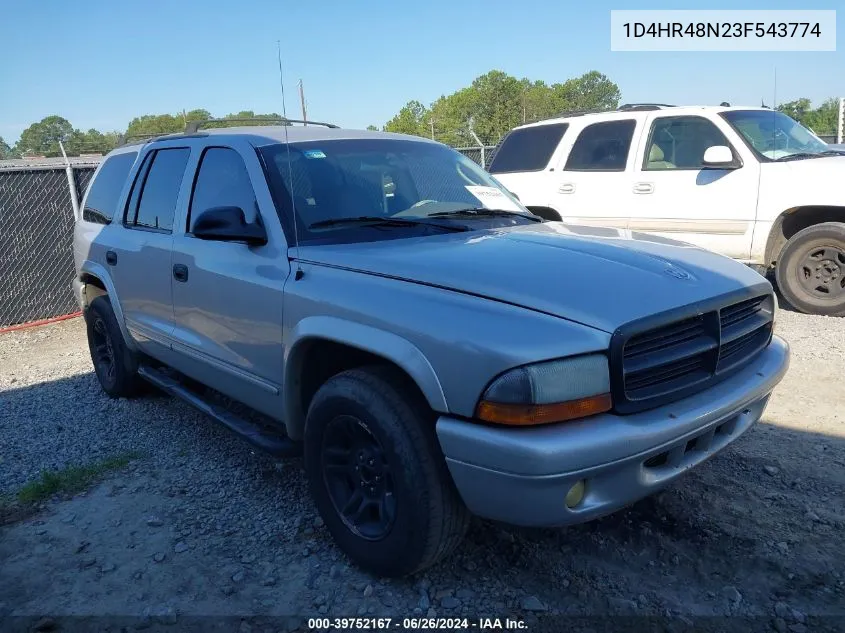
(298, 275)
(302, 101)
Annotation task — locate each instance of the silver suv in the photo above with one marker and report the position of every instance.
(384, 306)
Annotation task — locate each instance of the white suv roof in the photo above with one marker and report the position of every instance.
(636, 111)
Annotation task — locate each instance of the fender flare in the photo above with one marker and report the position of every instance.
(364, 337)
(99, 271)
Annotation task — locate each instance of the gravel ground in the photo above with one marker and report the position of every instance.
(199, 524)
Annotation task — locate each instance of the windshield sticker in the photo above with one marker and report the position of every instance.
(314, 153)
(492, 198)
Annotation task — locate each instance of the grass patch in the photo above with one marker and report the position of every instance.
(69, 480)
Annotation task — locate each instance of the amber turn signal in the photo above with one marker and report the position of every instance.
(531, 414)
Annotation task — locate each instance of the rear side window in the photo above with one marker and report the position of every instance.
(222, 181)
(602, 147)
(527, 149)
(153, 199)
(102, 199)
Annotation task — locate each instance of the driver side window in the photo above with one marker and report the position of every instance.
(222, 181)
(678, 143)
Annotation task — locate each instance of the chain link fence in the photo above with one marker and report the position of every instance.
(481, 154)
(36, 241)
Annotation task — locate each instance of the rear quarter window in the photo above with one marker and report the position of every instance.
(527, 149)
(103, 195)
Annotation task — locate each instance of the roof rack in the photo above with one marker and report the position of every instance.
(192, 127)
(640, 107)
(132, 139)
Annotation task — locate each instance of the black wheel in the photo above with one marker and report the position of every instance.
(115, 366)
(811, 269)
(377, 474)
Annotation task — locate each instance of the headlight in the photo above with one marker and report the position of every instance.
(546, 392)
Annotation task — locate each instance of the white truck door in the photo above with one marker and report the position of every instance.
(594, 175)
(523, 163)
(675, 195)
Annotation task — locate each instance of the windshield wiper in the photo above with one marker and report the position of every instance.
(475, 212)
(800, 155)
(375, 220)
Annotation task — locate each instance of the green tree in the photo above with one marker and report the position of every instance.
(497, 102)
(409, 120)
(5, 150)
(372, 128)
(91, 142)
(590, 91)
(44, 137)
(821, 120)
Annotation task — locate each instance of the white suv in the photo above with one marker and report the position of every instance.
(749, 183)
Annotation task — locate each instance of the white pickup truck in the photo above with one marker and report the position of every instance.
(749, 183)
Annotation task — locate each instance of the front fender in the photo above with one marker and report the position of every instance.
(99, 271)
(367, 338)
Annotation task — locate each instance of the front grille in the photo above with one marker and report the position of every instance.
(680, 356)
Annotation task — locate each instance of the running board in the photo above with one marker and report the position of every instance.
(277, 445)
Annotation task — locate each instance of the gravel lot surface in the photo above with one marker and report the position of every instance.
(199, 524)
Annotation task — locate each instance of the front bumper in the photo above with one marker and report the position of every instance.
(522, 475)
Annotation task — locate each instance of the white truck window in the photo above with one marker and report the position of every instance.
(602, 147)
(680, 142)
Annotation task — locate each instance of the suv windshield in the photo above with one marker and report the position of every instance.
(774, 135)
(376, 188)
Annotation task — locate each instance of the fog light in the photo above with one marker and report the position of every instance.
(575, 494)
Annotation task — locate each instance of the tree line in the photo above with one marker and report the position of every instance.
(44, 137)
(486, 109)
(496, 102)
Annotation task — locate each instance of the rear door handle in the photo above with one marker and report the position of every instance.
(566, 187)
(111, 258)
(180, 272)
(643, 187)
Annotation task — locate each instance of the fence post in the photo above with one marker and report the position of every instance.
(71, 183)
(478, 142)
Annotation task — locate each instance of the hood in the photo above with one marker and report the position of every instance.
(596, 276)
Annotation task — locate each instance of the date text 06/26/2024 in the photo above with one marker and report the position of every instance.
(415, 624)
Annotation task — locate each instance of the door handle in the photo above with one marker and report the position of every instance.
(180, 272)
(566, 187)
(111, 258)
(643, 187)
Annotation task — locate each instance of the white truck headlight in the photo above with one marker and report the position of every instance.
(551, 391)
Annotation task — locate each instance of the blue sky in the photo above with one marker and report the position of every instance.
(100, 63)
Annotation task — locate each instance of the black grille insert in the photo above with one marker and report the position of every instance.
(679, 357)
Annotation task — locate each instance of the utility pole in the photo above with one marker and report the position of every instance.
(302, 101)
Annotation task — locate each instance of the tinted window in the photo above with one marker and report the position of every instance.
(680, 142)
(527, 149)
(105, 190)
(160, 190)
(222, 181)
(602, 147)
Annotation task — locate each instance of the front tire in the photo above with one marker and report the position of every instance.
(811, 270)
(115, 366)
(377, 475)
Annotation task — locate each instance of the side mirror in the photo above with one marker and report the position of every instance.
(719, 157)
(228, 224)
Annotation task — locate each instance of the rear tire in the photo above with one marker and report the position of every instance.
(811, 269)
(115, 365)
(377, 474)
